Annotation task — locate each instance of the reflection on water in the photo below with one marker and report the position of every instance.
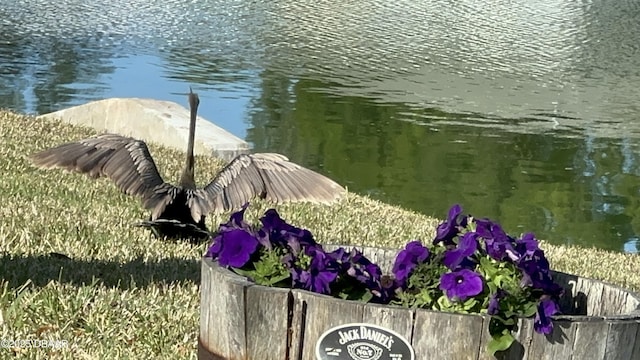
(573, 189)
(524, 112)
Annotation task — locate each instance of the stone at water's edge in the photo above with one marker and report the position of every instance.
(241, 320)
(162, 122)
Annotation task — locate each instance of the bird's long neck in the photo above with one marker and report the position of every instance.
(187, 179)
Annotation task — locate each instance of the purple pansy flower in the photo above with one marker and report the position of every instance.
(461, 284)
(368, 275)
(451, 227)
(527, 245)
(318, 277)
(236, 221)
(546, 308)
(385, 290)
(340, 255)
(233, 247)
(413, 254)
(536, 273)
(456, 257)
(359, 267)
(275, 231)
(356, 265)
(498, 244)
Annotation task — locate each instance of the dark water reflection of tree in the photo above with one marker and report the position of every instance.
(529, 182)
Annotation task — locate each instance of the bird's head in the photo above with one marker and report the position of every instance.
(194, 100)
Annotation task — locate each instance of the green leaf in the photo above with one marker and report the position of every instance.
(367, 296)
(469, 304)
(500, 343)
(424, 298)
(529, 309)
(276, 279)
(492, 287)
(251, 274)
(443, 302)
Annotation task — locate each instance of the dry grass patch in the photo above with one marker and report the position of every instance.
(123, 294)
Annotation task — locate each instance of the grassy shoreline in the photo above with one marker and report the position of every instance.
(121, 293)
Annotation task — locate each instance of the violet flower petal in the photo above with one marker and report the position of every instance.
(447, 230)
(527, 245)
(318, 277)
(542, 323)
(461, 285)
(468, 245)
(407, 259)
(237, 246)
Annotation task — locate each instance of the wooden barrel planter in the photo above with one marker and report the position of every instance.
(241, 320)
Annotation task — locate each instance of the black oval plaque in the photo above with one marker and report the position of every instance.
(359, 341)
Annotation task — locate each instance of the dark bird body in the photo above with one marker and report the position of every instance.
(180, 211)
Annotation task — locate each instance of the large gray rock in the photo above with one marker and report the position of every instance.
(162, 122)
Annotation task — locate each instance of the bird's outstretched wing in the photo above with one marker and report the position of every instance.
(267, 175)
(124, 160)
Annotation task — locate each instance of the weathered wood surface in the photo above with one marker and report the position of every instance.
(396, 318)
(557, 345)
(313, 314)
(222, 312)
(241, 320)
(440, 335)
(267, 322)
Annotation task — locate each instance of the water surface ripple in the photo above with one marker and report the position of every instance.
(522, 111)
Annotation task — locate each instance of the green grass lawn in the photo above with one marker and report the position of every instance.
(118, 292)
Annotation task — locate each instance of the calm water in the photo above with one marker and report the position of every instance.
(525, 112)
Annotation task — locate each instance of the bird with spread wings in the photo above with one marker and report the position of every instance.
(179, 211)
